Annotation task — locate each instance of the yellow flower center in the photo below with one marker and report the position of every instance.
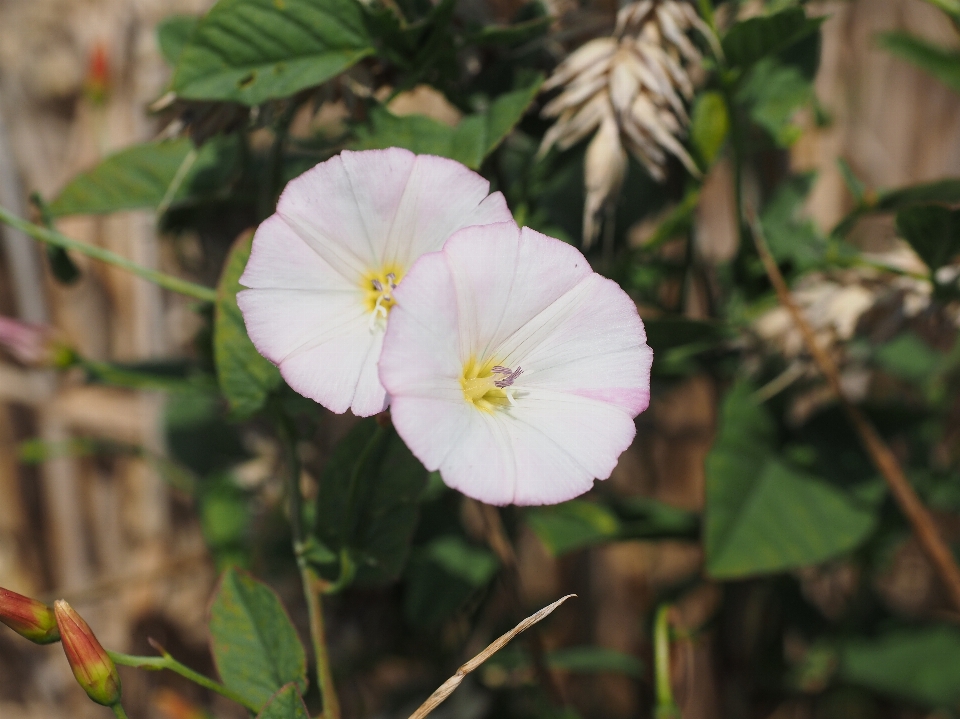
(378, 287)
(487, 386)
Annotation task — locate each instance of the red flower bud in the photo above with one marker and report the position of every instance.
(93, 668)
(28, 617)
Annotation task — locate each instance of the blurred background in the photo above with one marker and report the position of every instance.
(127, 501)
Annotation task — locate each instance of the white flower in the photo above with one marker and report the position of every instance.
(513, 368)
(632, 86)
(324, 268)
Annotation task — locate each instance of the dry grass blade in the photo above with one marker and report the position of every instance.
(446, 689)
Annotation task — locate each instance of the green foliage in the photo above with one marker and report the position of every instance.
(792, 236)
(922, 665)
(173, 33)
(709, 125)
(572, 525)
(470, 142)
(254, 645)
(763, 513)
(250, 51)
(588, 660)
(285, 704)
(246, 379)
(774, 92)
(170, 172)
(940, 62)
(367, 504)
(933, 231)
(752, 40)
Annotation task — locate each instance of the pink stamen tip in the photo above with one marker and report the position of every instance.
(508, 380)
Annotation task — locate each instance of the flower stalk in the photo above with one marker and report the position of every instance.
(56, 239)
(312, 584)
(166, 661)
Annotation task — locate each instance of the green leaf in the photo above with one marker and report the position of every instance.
(756, 38)
(470, 142)
(474, 565)
(933, 231)
(709, 125)
(921, 665)
(940, 62)
(250, 51)
(573, 525)
(246, 379)
(908, 357)
(792, 235)
(774, 93)
(144, 176)
(254, 644)
(589, 660)
(172, 36)
(765, 515)
(512, 35)
(368, 501)
(285, 704)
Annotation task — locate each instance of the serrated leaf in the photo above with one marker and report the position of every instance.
(254, 644)
(933, 231)
(922, 665)
(940, 62)
(470, 142)
(250, 51)
(285, 704)
(589, 660)
(246, 378)
(763, 514)
(757, 37)
(144, 176)
(572, 525)
(173, 33)
(368, 501)
(709, 125)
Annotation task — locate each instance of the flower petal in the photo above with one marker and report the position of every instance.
(280, 258)
(440, 197)
(329, 208)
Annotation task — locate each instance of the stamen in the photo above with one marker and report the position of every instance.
(509, 379)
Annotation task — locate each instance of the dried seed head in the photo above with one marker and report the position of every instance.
(631, 88)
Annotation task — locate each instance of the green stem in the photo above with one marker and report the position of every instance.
(118, 710)
(168, 662)
(312, 585)
(54, 238)
(666, 705)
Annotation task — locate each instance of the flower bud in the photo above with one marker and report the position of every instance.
(93, 668)
(28, 617)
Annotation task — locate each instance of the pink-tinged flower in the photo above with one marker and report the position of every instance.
(29, 344)
(29, 618)
(513, 368)
(324, 268)
(92, 666)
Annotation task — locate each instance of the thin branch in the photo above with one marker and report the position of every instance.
(52, 237)
(446, 689)
(919, 517)
(165, 661)
(312, 586)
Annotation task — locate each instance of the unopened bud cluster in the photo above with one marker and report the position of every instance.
(92, 666)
